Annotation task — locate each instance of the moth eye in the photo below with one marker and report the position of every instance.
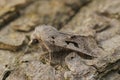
(53, 37)
(35, 41)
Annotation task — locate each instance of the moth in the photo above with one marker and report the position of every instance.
(55, 42)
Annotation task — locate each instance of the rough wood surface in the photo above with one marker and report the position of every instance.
(97, 20)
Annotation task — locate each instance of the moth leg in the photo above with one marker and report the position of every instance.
(49, 52)
(50, 56)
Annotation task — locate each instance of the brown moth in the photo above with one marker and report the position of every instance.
(55, 41)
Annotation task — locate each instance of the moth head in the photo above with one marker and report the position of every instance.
(42, 33)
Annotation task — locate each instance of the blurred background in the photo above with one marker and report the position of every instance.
(18, 19)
